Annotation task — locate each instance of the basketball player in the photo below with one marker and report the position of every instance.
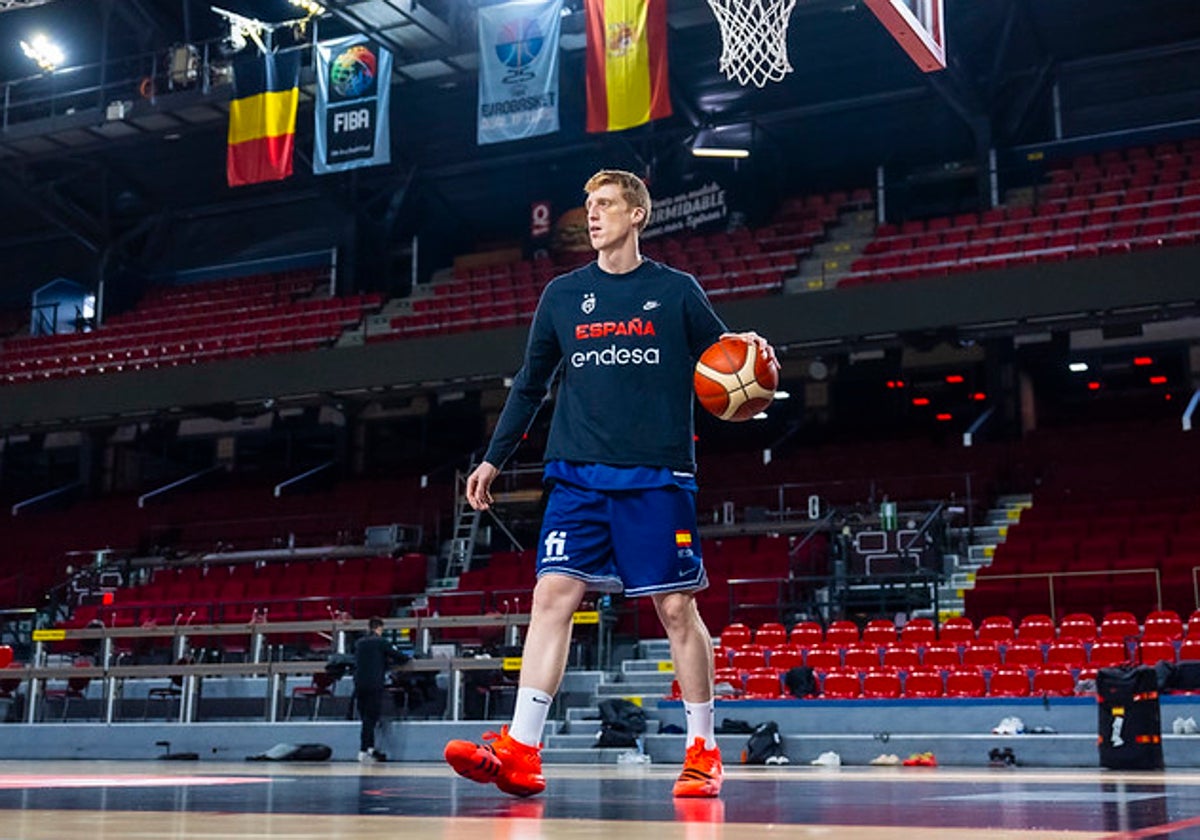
(623, 333)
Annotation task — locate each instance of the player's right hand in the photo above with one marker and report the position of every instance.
(479, 484)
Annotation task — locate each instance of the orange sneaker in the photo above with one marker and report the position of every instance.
(702, 772)
(512, 766)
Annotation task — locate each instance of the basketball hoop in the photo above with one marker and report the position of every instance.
(753, 39)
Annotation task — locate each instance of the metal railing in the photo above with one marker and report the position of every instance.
(1052, 578)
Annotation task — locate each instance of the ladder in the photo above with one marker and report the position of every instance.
(461, 547)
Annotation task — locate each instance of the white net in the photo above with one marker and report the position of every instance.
(754, 39)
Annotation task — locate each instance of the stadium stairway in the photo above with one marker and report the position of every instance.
(831, 258)
(980, 550)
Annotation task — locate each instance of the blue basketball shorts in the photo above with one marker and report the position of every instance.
(640, 542)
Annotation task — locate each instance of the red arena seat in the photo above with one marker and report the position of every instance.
(1119, 625)
(901, 655)
(1009, 681)
(785, 657)
(1154, 650)
(984, 654)
(805, 633)
(841, 685)
(957, 629)
(861, 656)
(842, 633)
(881, 684)
(1077, 626)
(919, 631)
(735, 635)
(996, 628)
(880, 632)
(770, 633)
(1025, 654)
(1069, 653)
(763, 684)
(1036, 627)
(1106, 652)
(1053, 681)
(1163, 624)
(924, 682)
(965, 682)
(941, 655)
(823, 657)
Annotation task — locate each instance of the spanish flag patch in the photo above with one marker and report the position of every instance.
(683, 538)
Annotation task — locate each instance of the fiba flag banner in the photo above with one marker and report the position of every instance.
(353, 91)
(262, 118)
(626, 63)
(518, 70)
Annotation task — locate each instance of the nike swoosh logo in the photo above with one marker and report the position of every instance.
(650, 304)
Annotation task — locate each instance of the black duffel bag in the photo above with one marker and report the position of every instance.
(1130, 718)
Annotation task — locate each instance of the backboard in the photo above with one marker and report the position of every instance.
(918, 26)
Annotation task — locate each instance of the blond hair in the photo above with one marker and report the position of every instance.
(633, 190)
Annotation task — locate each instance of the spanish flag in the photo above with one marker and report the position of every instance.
(262, 119)
(626, 63)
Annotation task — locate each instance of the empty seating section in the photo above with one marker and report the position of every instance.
(277, 591)
(176, 325)
(1091, 205)
(1102, 534)
(744, 262)
(41, 544)
(958, 660)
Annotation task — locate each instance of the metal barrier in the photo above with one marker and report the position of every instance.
(277, 672)
(1052, 577)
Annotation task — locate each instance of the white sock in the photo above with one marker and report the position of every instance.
(700, 723)
(529, 716)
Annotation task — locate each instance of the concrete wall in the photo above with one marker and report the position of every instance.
(958, 732)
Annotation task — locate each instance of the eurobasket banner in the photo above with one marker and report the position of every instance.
(518, 70)
(353, 92)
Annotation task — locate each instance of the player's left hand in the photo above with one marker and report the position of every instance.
(764, 346)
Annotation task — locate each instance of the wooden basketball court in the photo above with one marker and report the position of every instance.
(273, 801)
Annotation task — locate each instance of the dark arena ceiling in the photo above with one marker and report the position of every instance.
(81, 185)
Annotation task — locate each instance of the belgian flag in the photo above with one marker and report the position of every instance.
(262, 118)
(626, 63)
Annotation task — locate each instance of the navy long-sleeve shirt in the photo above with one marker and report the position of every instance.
(626, 346)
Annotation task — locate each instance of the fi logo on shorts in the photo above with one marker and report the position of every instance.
(555, 547)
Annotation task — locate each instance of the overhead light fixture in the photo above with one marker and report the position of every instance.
(1077, 367)
(723, 141)
(782, 395)
(312, 8)
(45, 53)
(243, 29)
(713, 152)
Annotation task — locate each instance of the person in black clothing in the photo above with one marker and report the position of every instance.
(373, 656)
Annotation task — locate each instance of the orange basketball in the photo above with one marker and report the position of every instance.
(733, 381)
